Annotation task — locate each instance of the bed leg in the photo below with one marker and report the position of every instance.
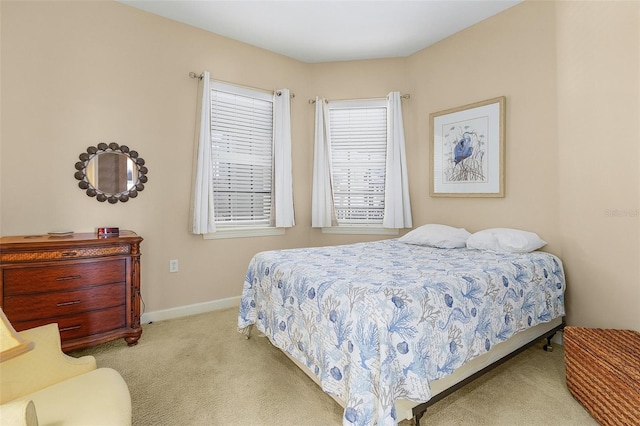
(417, 416)
(547, 347)
(246, 332)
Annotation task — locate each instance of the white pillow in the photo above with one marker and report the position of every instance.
(505, 240)
(434, 235)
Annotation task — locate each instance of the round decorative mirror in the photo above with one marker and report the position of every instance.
(111, 172)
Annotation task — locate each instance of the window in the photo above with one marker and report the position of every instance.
(242, 156)
(358, 188)
(243, 182)
(358, 131)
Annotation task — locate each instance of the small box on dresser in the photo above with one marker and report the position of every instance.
(87, 284)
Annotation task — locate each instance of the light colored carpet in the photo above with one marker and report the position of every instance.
(199, 370)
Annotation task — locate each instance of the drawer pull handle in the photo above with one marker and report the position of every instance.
(74, 302)
(71, 277)
(69, 254)
(74, 327)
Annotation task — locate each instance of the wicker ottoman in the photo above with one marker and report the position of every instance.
(603, 373)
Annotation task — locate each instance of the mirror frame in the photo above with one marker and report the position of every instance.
(102, 148)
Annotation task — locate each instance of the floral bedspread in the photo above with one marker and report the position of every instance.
(377, 321)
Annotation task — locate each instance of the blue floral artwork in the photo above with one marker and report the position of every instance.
(465, 150)
(377, 321)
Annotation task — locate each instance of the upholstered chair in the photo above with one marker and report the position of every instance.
(41, 385)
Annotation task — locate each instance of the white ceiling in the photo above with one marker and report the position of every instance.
(326, 30)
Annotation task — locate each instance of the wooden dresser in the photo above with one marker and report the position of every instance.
(87, 284)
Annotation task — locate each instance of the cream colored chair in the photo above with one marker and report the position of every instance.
(44, 386)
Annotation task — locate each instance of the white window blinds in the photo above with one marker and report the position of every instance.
(242, 154)
(358, 160)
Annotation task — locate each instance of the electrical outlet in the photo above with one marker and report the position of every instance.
(173, 265)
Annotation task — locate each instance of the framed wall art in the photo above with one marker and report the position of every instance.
(467, 150)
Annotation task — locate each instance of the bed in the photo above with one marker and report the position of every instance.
(384, 327)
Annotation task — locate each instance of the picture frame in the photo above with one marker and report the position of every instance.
(467, 150)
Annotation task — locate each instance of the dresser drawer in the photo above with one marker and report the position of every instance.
(81, 325)
(63, 277)
(64, 254)
(47, 305)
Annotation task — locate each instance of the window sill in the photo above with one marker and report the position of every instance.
(243, 233)
(360, 230)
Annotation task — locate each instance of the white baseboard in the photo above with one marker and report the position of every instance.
(184, 311)
(558, 338)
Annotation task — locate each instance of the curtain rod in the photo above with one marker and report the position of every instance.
(405, 96)
(277, 92)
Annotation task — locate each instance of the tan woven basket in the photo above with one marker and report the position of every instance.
(603, 373)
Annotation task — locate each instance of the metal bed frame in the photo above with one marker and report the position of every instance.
(420, 410)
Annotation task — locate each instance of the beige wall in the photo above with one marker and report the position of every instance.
(78, 73)
(598, 50)
(75, 74)
(512, 55)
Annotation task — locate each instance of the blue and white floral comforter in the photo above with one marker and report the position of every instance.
(377, 321)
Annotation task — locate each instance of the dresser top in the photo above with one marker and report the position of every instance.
(74, 238)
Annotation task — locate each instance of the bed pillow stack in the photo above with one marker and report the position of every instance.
(495, 239)
(505, 240)
(435, 235)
